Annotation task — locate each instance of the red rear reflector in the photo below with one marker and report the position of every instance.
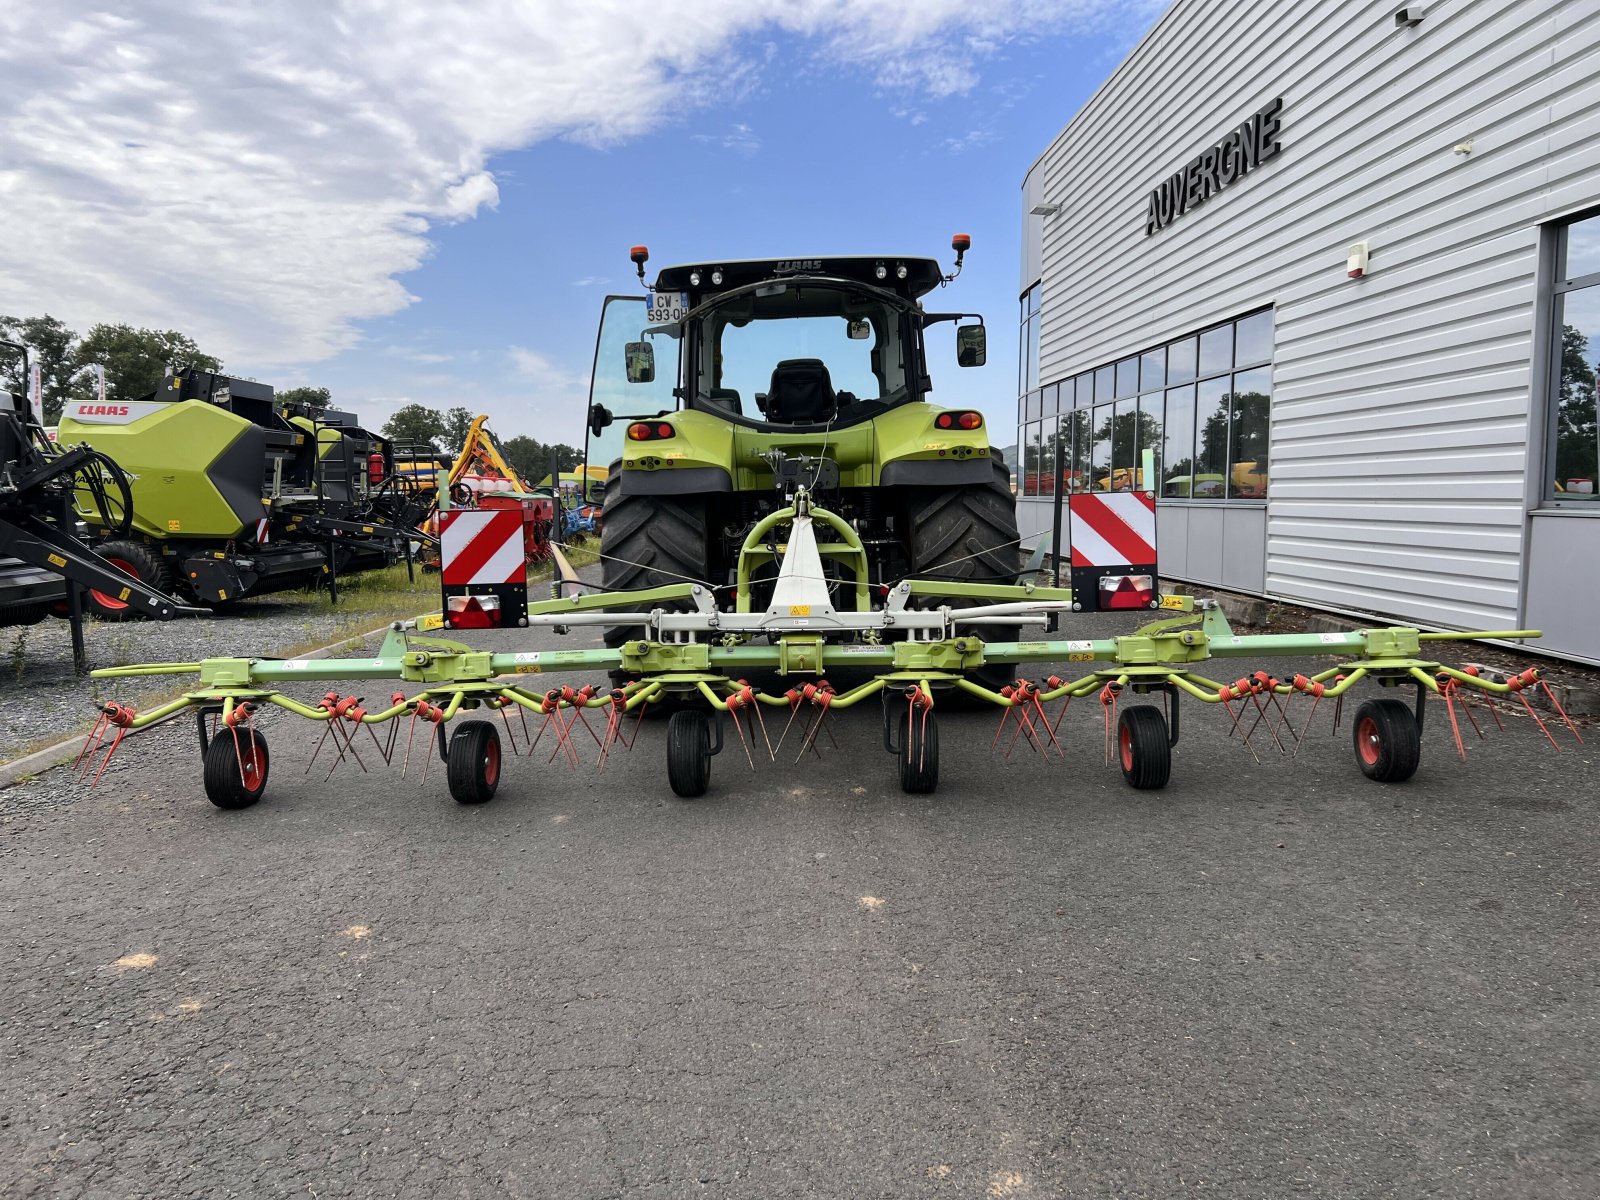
(472, 612)
(1127, 591)
(971, 420)
(664, 431)
(945, 421)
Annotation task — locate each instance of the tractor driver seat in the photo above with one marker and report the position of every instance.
(801, 392)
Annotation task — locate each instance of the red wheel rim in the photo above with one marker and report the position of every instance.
(1125, 744)
(250, 768)
(1368, 744)
(491, 764)
(111, 602)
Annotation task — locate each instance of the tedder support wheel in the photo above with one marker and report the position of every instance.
(919, 753)
(1144, 747)
(1388, 742)
(689, 752)
(236, 772)
(138, 560)
(474, 762)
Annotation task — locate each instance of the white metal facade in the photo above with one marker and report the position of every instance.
(1407, 417)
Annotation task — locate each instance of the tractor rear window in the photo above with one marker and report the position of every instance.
(750, 352)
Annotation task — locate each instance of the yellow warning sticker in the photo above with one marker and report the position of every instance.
(1080, 658)
(530, 669)
(56, 560)
(174, 526)
(124, 593)
(799, 610)
(431, 621)
(1173, 601)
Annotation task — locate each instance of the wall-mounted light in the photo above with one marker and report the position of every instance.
(1355, 265)
(1045, 210)
(1410, 15)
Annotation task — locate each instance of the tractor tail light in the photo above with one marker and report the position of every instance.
(649, 431)
(959, 420)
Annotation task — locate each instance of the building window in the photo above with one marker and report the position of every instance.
(1201, 404)
(1575, 325)
(1028, 342)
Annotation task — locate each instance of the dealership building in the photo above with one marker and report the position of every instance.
(1329, 271)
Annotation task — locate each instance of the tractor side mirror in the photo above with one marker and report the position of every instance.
(972, 346)
(641, 362)
(858, 330)
(599, 418)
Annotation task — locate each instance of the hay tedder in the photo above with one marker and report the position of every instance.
(805, 534)
(697, 662)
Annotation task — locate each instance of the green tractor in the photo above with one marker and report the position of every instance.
(743, 381)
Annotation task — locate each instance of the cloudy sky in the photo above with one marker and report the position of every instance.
(427, 202)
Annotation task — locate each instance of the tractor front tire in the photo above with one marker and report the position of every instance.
(139, 561)
(651, 541)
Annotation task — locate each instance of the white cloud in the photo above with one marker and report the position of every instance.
(739, 138)
(263, 176)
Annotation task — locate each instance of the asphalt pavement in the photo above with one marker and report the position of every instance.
(1272, 979)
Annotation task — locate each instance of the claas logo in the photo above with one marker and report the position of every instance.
(103, 410)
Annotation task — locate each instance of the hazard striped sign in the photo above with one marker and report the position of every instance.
(1113, 529)
(481, 546)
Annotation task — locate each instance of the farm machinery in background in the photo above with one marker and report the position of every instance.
(231, 498)
(44, 564)
(820, 553)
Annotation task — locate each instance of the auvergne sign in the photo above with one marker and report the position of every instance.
(1235, 156)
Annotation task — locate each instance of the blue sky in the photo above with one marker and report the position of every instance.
(427, 203)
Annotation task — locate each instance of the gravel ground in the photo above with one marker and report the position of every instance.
(46, 701)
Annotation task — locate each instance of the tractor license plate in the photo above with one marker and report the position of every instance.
(665, 307)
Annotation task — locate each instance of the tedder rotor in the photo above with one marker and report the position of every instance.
(682, 650)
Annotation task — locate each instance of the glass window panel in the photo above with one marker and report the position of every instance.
(1034, 400)
(1125, 445)
(1104, 379)
(1209, 481)
(1022, 358)
(1252, 340)
(1181, 359)
(1177, 458)
(1030, 300)
(1127, 377)
(1032, 378)
(1583, 249)
(1151, 418)
(1082, 438)
(1047, 460)
(1153, 370)
(1249, 431)
(1100, 451)
(1052, 399)
(1216, 351)
(1577, 465)
(1030, 461)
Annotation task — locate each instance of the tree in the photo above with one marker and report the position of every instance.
(136, 359)
(530, 457)
(456, 423)
(312, 399)
(1576, 411)
(416, 424)
(49, 342)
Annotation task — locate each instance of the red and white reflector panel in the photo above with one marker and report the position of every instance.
(481, 546)
(1113, 540)
(472, 612)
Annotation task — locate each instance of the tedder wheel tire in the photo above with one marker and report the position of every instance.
(650, 541)
(138, 560)
(236, 778)
(1143, 747)
(919, 753)
(968, 534)
(1388, 743)
(474, 762)
(689, 752)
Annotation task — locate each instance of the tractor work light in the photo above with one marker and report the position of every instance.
(649, 431)
(694, 278)
(901, 272)
(716, 278)
(959, 420)
(882, 272)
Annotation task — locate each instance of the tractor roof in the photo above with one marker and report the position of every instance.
(922, 274)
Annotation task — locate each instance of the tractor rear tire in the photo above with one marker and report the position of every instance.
(236, 773)
(139, 561)
(1387, 741)
(651, 541)
(968, 534)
